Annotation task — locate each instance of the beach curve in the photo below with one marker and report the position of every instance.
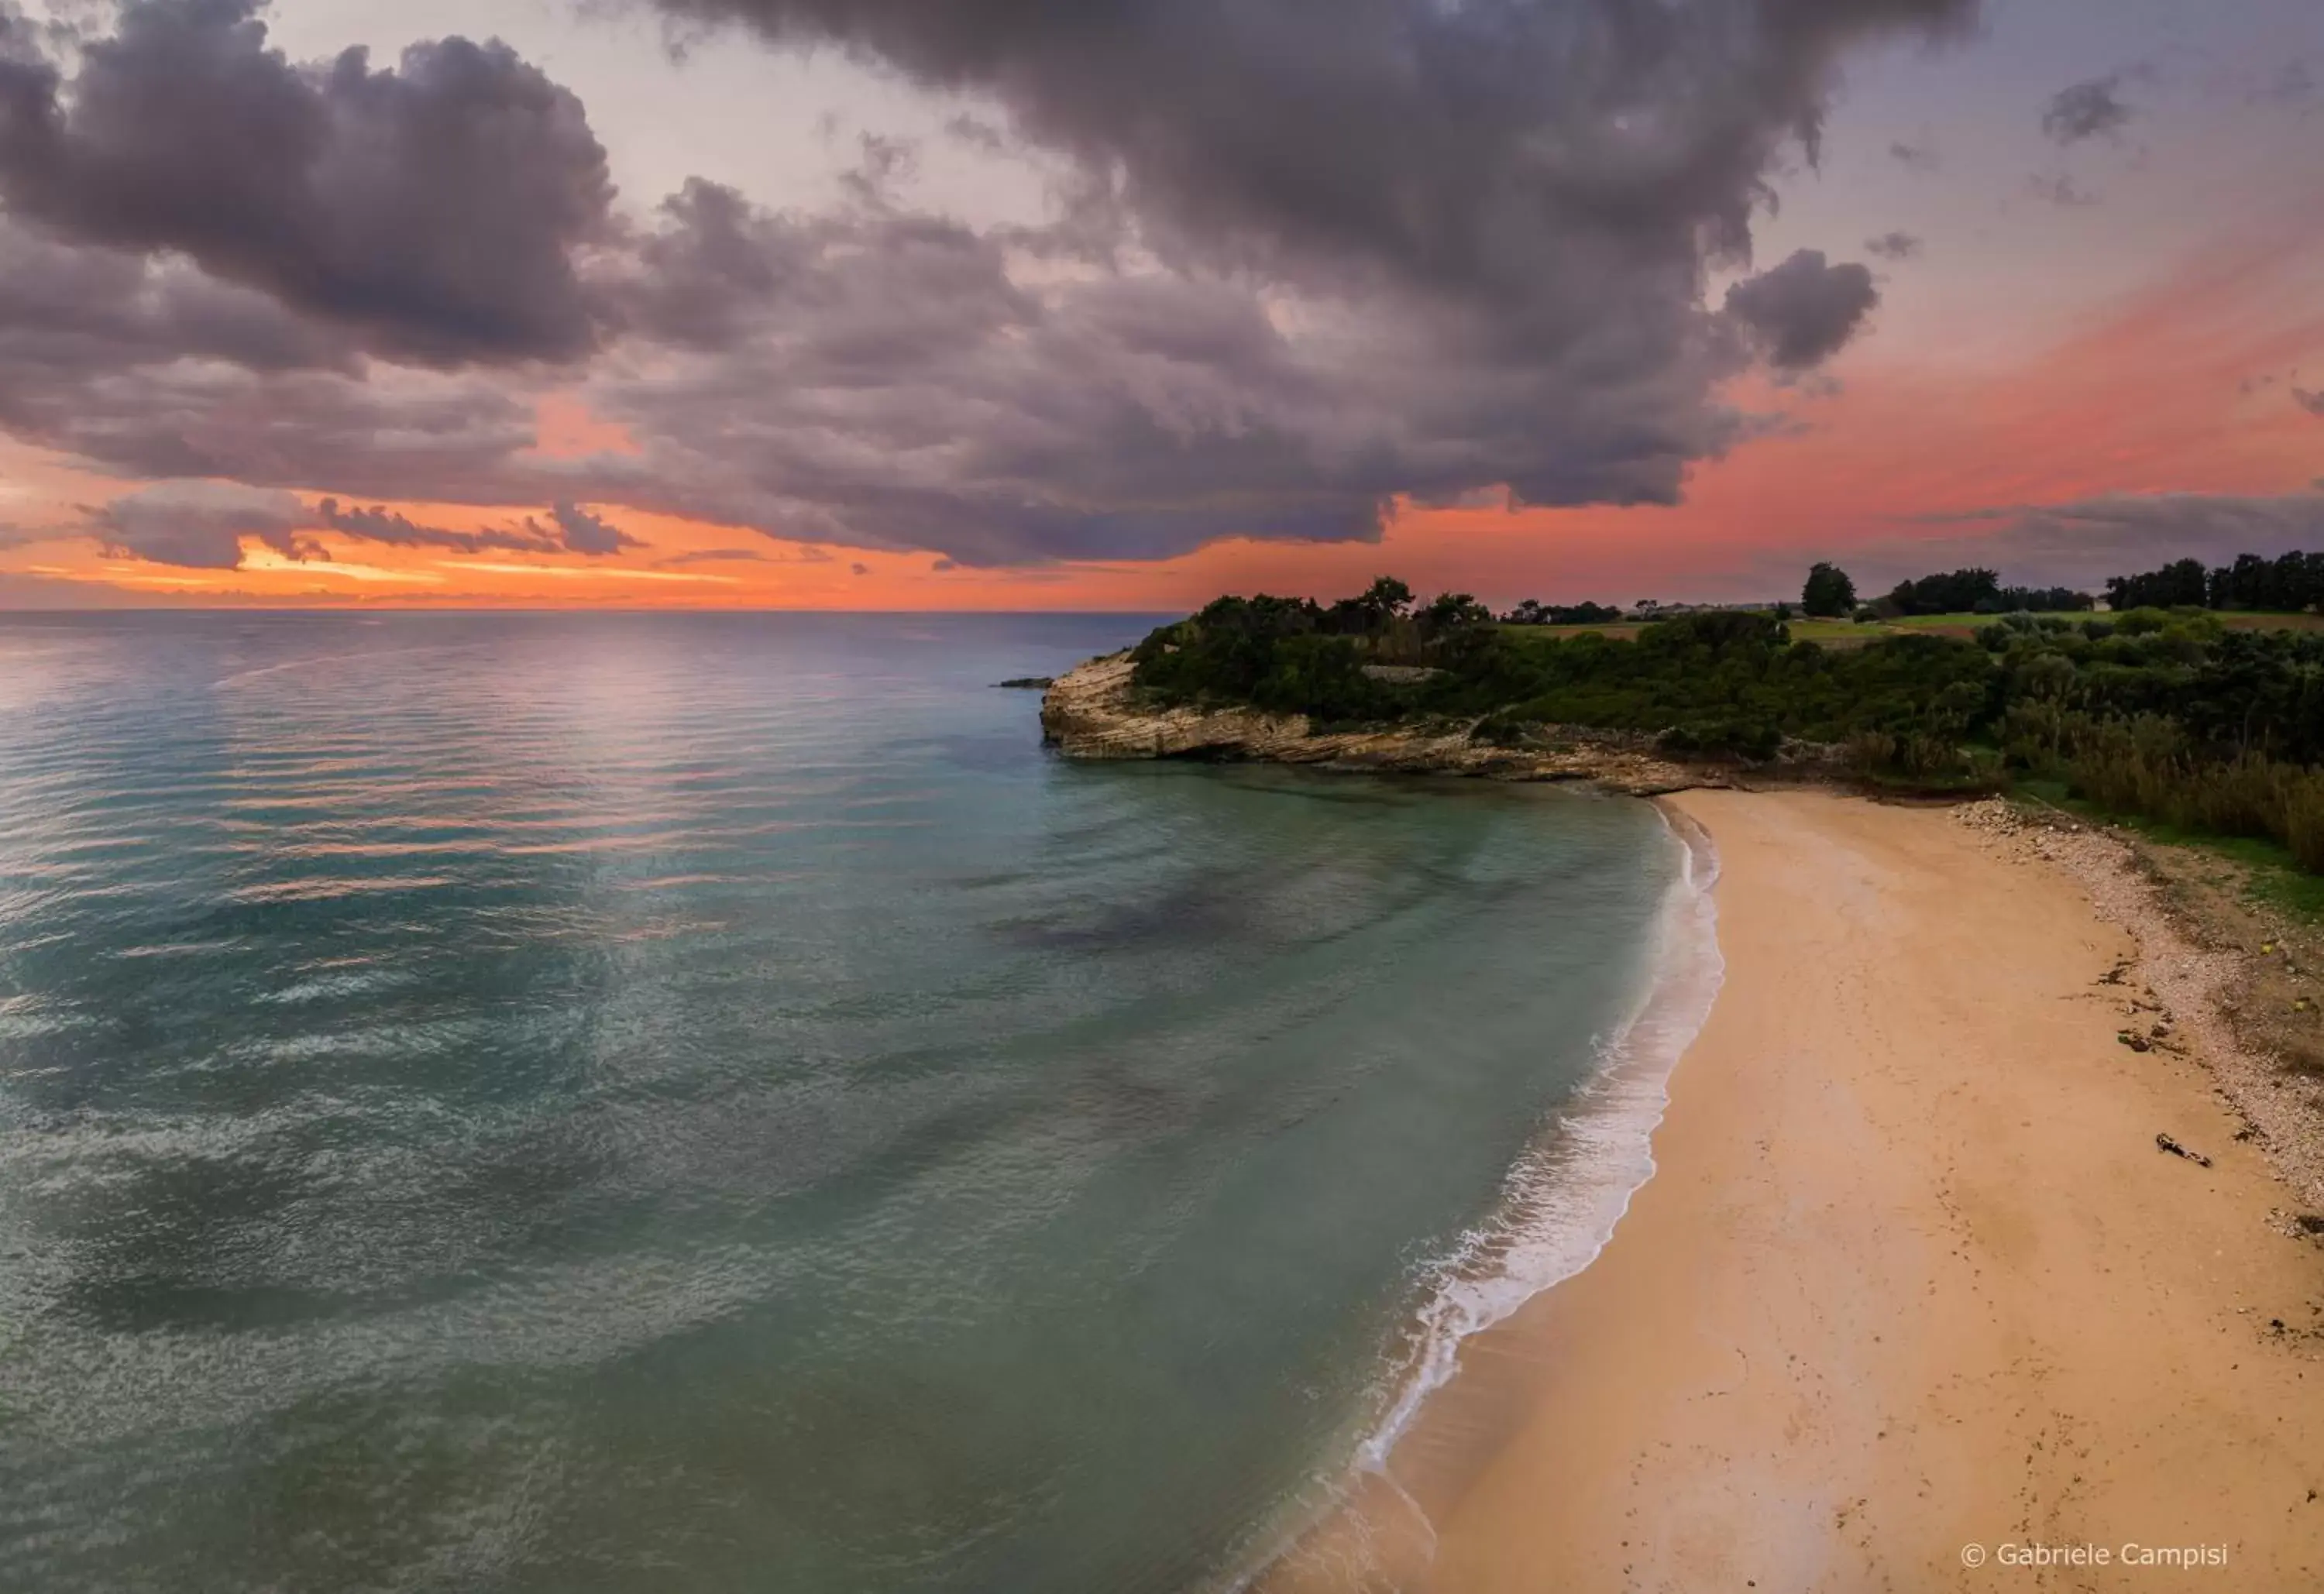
(1911, 1287)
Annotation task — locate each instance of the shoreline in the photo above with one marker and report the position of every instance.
(1565, 1197)
(1560, 1206)
(1910, 1274)
(1091, 712)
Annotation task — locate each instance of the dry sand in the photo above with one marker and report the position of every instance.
(1913, 1276)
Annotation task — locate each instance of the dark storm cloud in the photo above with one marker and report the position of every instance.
(1894, 247)
(1406, 249)
(395, 436)
(199, 525)
(1494, 147)
(876, 378)
(568, 529)
(580, 532)
(1803, 311)
(2086, 110)
(433, 210)
(1306, 259)
(68, 314)
(381, 525)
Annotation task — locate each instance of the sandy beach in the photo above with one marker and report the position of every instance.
(1913, 1296)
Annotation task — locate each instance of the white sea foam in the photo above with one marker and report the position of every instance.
(1563, 1200)
(1564, 1196)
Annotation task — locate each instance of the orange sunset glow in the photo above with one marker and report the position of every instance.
(2140, 333)
(2154, 393)
(1155, 796)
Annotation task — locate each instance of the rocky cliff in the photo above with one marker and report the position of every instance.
(1092, 712)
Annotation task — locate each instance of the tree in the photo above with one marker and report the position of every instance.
(1451, 611)
(1386, 599)
(1828, 592)
(1956, 592)
(2183, 583)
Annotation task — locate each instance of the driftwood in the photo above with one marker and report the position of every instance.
(2166, 1143)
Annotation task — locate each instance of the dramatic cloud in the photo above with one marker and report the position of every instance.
(1914, 157)
(1475, 147)
(378, 524)
(2313, 402)
(1390, 248)
(1894, 247)
(1306, 260)
(1803, 311)
(879, 378)
(200, 525)
(432, 210)
(2086, 110)
(581, 532)
(64, 310)
(397, 435)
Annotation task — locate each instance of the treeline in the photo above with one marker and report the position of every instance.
(1532, 611)
(1978, 591)
(2289, 585)
(2169, 715)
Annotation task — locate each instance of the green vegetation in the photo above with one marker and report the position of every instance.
(2169, 715)
(2273, 875)
(1533, 613)
(1976, 591)
(1828, 592)
(2290, 584)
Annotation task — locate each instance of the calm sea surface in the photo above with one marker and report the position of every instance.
(568, 1103)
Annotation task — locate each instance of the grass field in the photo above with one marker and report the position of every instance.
(2275, 876)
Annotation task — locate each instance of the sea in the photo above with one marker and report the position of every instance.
(604, 1101)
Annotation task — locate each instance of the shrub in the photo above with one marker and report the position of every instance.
(2157, 712)
(2304, 821)
(1828, 592)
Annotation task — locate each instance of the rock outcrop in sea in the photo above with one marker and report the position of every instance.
(1094, 712)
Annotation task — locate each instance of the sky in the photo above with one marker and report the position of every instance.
(977, 304)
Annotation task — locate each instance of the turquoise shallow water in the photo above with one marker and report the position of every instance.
(620, 1103)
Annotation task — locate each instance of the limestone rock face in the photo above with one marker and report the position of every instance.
(1092, 712)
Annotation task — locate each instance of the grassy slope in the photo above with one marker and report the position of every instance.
(2272, 874)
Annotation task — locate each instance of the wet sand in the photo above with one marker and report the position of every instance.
(1912, 1278)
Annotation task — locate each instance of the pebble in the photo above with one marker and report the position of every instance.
(2193, 983)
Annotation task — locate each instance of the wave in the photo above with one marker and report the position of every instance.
(1563, 1200)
